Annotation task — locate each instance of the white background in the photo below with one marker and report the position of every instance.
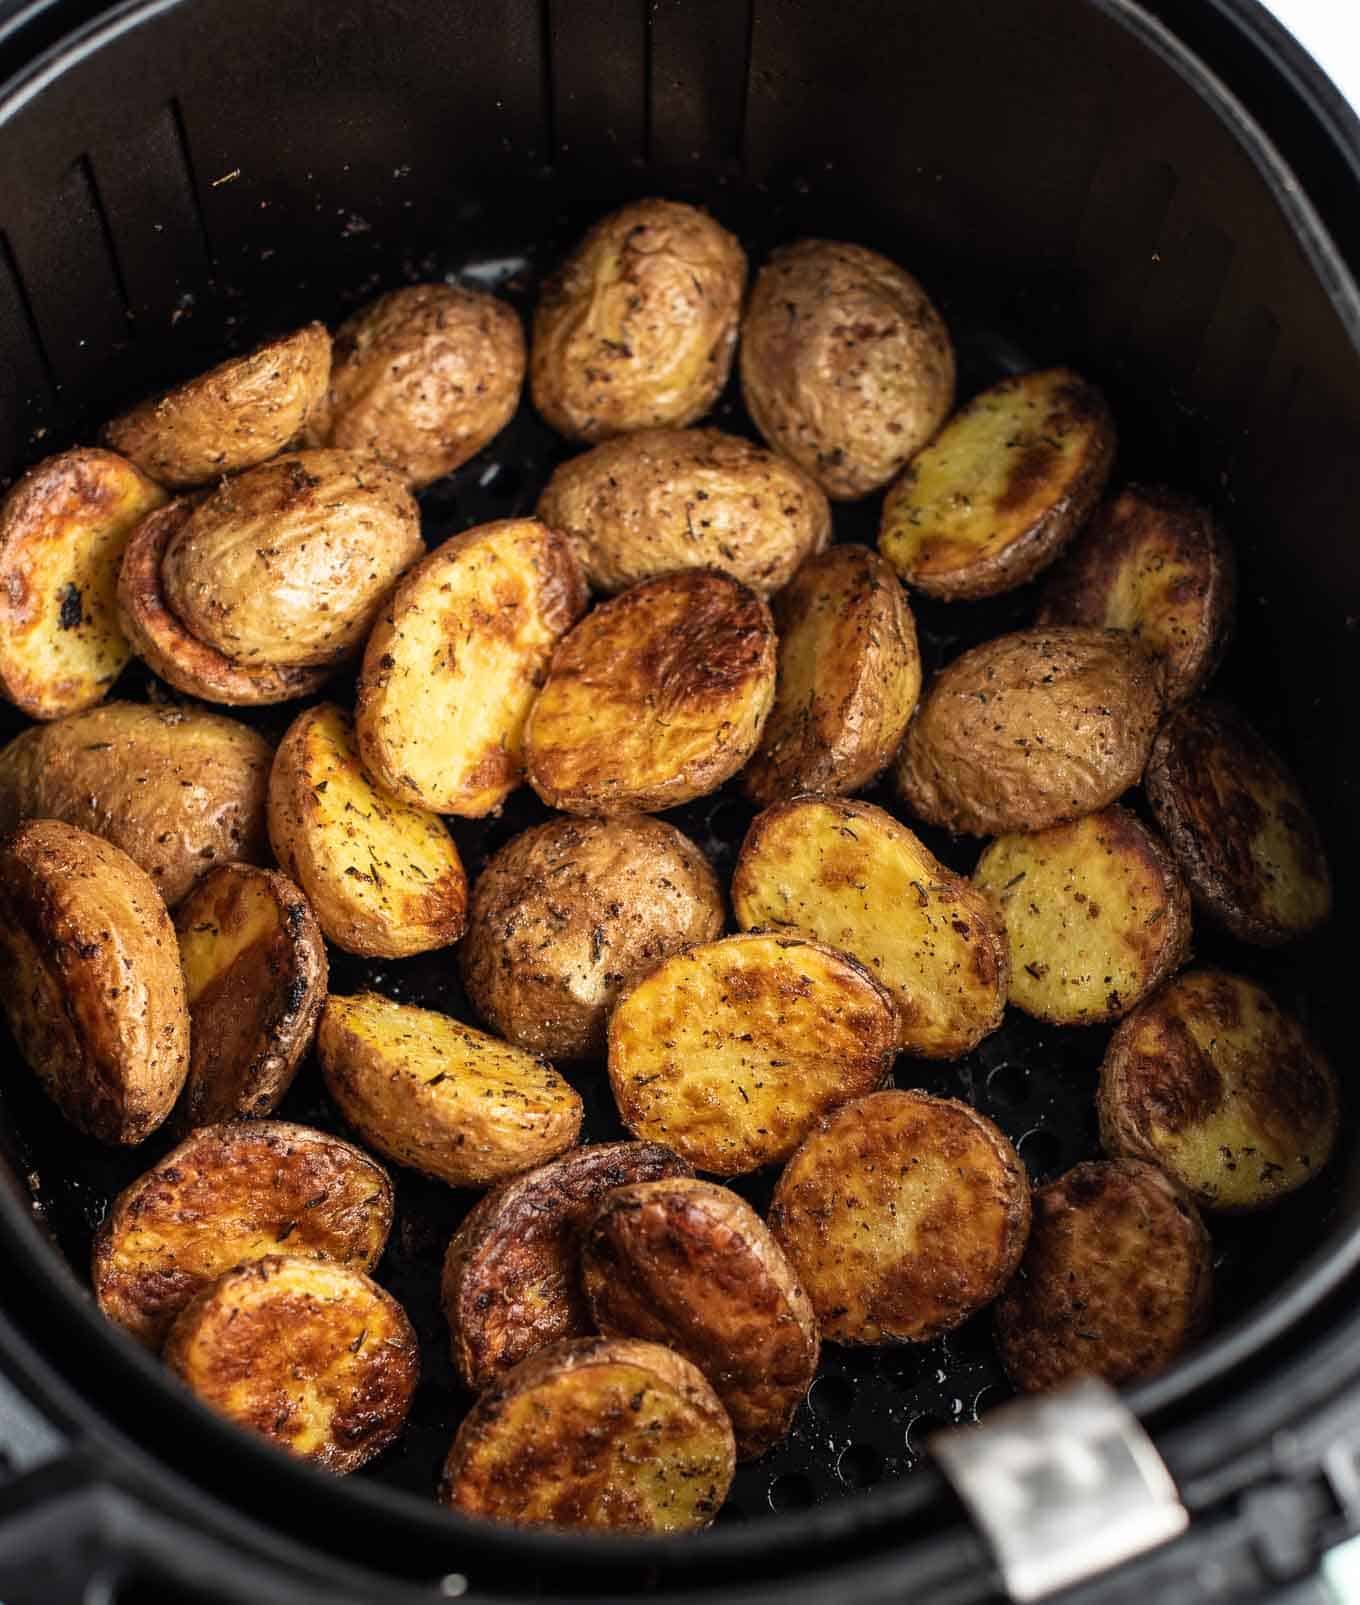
(1330, 31)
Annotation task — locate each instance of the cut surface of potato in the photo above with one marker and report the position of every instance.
(902, 1214)
(1096, 915)
(729, 1051)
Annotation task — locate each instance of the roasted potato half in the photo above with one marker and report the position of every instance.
(228, 1194)
(850, 875)
(902, 1214)
(729, 1051)
(313, 1355)
(1096, 915)
(456, 659)
(1211, 1080)
(595, 1433)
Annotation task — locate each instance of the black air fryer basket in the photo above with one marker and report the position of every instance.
(1173, 206)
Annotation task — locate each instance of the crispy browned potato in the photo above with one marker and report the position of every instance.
(845, 365)
(90, 981)
(849, 673)
(852, 876)
(455, 660)
(689, 1264)
(903, 1214)
(655, 698)
(1214, 1082)
(180, 790)
(63, 528)
(1095, 912)
(1238, 826)
(595, 1432)
(1159, 566)
(511, 1280)
(568, 916)
(729, 1051)
(638, 326)
(383, 878)
(242, 412)
(1030, 730)
(314, 1356)
(255, 979)
(228, 1194)
(1115, 1281)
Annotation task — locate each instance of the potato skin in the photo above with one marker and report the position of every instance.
(637, 328)
(568, 916)
(846, 366)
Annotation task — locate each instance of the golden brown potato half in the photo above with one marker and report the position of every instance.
(455, 660)
(63, 528)
(570, 915)
(1030, 730)
(689, 1264)
(314, 1356)
(637, 328)
(845, 365)
(511, 1280)
(229, 1194)
(429, 1092)
(383, 878)
(1211, 1080)
(655, 698)
(1096, 916)
(425, 377)
(729, 1051)
(255, 979)
(666, 499)
(1159, 566)
(287, 564)
(848, 677)
(242, 412)
(595, 1433)
(90, 981)
(903, 1214)
(180, 790)
(1238, 826)
(850, 875)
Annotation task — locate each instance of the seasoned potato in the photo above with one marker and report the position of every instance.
(315, 1356)
(848, 676)
(383, 879)
(178, 789)
(638, 326)
(455, 659)
(255, 979)
(729, 1051)
(1030, 730)
(850, 875)
(1211, 1080)
(903, 1214)
(845, 365)
(1159, 566)
(428, 1091)
(568, 916)
(90, 981)
(242, 412)
(63, 528)
(1238, 826)
(1095, 913)
(229, 1194)
(1003, 487)
(511, 1280)
(287, 564)
(655, 698)
(689, 1264)
(667, 499)
(595, 1432)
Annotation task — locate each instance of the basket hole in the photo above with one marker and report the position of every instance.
(860, 1466)
(921, 1428)
(1041, 1151)
(503, 480)
(792, 1491)
(832, 1395)
(988, 1398)
(1008, 1085)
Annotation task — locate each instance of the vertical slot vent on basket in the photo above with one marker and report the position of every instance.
(700, 53)
(1126, 211)
(545, 50)
(597, 56)
(186, 157)
(84, 169)
(1182, 294)
(27, 382)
